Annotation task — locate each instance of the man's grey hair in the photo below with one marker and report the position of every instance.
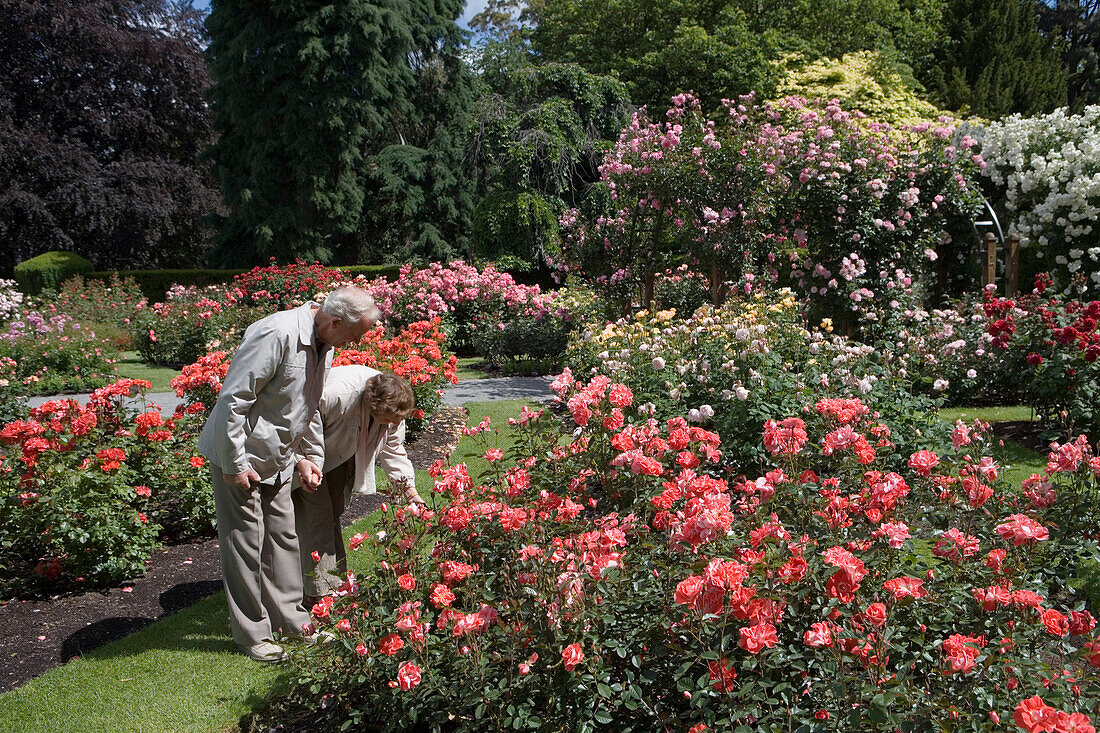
(351, 304)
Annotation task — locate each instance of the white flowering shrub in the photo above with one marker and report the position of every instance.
(1049, 168)
(10, 300)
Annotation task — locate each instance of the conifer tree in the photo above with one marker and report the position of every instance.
(995, 62)
(307, 95)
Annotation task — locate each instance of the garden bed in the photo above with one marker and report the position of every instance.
(42, 634)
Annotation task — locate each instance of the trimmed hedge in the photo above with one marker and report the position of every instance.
(155, 283)
(48, 270)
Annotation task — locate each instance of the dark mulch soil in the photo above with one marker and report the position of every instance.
(1028, 433)
(41, 634)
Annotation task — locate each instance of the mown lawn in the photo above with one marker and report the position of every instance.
(132, 366)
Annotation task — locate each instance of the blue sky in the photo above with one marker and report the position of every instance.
(473, 7)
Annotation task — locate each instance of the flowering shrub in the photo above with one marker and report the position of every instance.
(950, 352)
(106, 307)
(1049, 169)
(190, 322)
(417, 354)
(87, 492)
(467, 300)
(42, 354)
(731, 368)
(1054, 342)
(616, 577)
(11, 300)
(281, 287)
(848, 209)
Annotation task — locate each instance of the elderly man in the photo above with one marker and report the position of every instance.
(363, 415)
(265, 414)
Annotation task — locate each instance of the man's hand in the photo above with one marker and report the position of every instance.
(243, 480)
(309, 475)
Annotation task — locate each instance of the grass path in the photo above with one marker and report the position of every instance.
(183, 673)
(132, 366)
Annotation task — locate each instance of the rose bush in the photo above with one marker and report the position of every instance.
(106, 307)
(733, 367)
(416, 353)
(189, 323)
(1048, 168)
(87, 492)
(48, 354)
(849, 210)
(280, 287)
(467, 300)
(612, 575)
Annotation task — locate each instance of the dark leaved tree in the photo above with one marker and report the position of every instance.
(102, 118)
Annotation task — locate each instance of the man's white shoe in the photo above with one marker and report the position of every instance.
(265, 652)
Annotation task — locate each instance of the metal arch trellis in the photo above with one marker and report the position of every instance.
(993, 222)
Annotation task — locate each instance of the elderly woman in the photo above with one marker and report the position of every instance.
(363, 414)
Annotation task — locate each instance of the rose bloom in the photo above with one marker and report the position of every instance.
(408, 676)
(1055, 621)
(344, 625)
(571, 656)
(817, 636)
(441, 596)
(390, 644)
(876, 614)
(1022, 530)
(923, 462)
(1035, 716)
(758, 637)
(406, 582)
(721, 674)
(620, 395)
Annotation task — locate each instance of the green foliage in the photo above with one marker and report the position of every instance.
(308, 102)
(865, 80)
(995, 62)
(1077, 22)
(419, 192)
(661, 49)
(540, 134)
(48, 270)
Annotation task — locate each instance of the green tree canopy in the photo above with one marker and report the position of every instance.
(540, 136)
(307, 95)
(995, 62)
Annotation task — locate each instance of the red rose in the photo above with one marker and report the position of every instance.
(1033, 715)
(688, 590)
(1056, 622)
(406, 582)
(390, 644)
(876, 614)
(571, 656)
(408, 676)
(758, 637)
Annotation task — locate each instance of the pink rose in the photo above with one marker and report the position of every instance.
(571, 656)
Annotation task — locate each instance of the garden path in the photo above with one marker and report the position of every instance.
(469, 390)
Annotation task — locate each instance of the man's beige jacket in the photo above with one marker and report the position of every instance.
(267, 411)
